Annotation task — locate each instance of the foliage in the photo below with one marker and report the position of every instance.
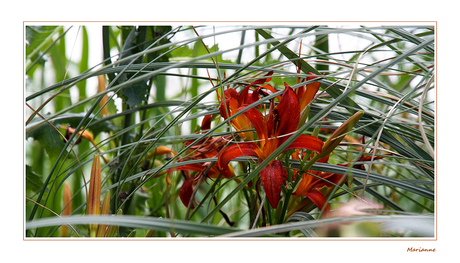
(239, 131)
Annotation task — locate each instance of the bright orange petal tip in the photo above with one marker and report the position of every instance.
(319, 200)
(237, 150)
(161, 150)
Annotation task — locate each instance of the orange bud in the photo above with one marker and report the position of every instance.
(161, 150)
(340, 133)
(103, 230)
(93, 202)
(67, 203)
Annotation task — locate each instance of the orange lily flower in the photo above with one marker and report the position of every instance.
(272, 130)
(311, 184)
(313, 181)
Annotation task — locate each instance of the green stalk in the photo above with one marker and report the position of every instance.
(106, 50)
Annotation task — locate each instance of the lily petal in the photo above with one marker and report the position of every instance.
(310, 92)
(206, 123)
(238, 150)
(261, 81)
(188, 167)
(307, 142)
(186, 192)
(287, 114)
(257, 120)
(319, 200)
(260, 90)
(244, 98)
(272, 179)
(225, 105)
(213, 172)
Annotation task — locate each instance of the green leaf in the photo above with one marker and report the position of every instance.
(136, 93)
(33, 181)
(48, 138)
(37, 37)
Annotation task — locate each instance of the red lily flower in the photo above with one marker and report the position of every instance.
(272, 130)
(206, 148)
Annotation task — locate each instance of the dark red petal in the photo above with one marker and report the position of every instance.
(313, 76)
(206, 148)
(261, 91)
(206, 123)
(244, 96)
(186, 192)
(272, 180)
(237, 150)
(366, 158)
(328, 177)
(261, 81)
(255, 96)
(319, 200)
(231, 93)
(306, 142)
(228, 95)
(224, 108)
(287, 114)
(188, 167)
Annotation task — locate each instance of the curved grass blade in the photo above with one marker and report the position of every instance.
(180, 226)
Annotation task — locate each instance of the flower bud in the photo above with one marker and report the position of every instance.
(67, 203)
(340, 133)
(93, 202)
